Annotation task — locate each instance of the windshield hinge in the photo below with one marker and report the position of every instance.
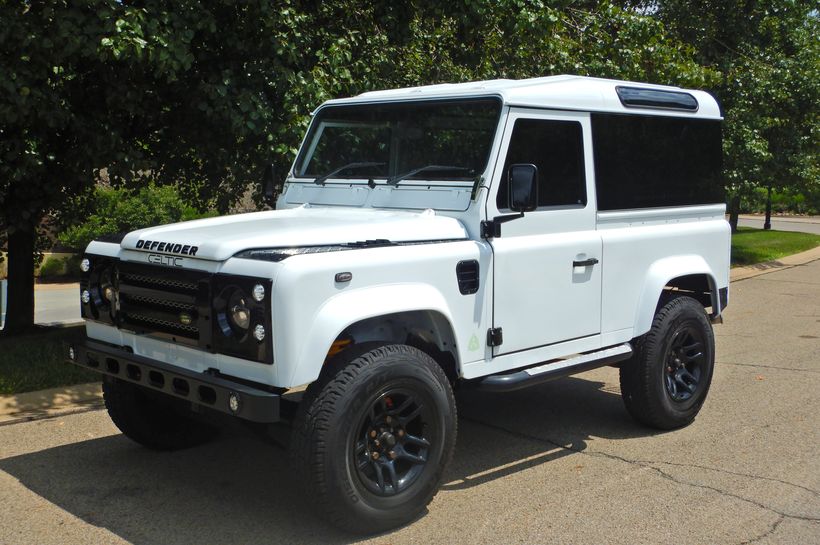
(495, 336)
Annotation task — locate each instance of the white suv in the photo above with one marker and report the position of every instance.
(499, 234)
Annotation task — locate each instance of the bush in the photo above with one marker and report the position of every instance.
(52, 267)
(783, 202)
(113, 211)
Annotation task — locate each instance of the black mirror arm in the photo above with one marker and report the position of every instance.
(492, 228)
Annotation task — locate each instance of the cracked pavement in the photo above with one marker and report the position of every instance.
(557, 463)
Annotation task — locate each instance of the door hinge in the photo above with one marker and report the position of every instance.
(495, 336)
(492, 228)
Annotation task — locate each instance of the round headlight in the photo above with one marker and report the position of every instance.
(238, 311)
(259, 332)
(85, 296)
(85, 265)
(258, 292)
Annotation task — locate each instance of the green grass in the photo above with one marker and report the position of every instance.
(751, 246)
(34, 361)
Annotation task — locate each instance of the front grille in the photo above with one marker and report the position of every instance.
(163, 282)
(192, 330)
(164, 302)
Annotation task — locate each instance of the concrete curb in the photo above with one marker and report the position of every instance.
(87, 397)
(742, 273)
(50, 403)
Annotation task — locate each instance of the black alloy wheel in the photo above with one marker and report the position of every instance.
(393, 441)
(685, 362)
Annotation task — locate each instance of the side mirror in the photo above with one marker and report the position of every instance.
(270, 183)
(523, 187)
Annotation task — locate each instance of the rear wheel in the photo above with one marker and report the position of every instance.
(373, 440)
(154, 421)
(666, 382)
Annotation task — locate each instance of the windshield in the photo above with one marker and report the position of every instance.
(441, 140)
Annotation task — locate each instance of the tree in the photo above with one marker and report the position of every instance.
(192, 94)
(768, 56)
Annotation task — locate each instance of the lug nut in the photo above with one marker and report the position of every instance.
(400, 433)
(389, 419)
(377, 443)
(392, 454)
(375, 455)
(372, 433)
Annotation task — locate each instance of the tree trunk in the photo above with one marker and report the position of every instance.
(20, 309)
(734, 212)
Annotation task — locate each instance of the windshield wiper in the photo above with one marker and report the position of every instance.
(396, 179)
(320, 180)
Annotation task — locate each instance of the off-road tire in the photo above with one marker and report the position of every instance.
(644, 377)
(151, 420)
(327, 428)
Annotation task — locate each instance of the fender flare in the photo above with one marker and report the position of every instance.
(660, 273)
(345, 309)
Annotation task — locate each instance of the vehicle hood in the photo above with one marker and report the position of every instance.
(220, 238)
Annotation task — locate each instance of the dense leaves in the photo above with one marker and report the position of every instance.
(205, 94)
(118, 210)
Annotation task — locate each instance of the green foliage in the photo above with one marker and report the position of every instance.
(51, 267)
(786, 201)
(116, 210)
(204, 95)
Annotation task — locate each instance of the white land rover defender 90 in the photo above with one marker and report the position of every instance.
(500, 233)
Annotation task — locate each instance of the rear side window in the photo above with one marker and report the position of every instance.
(652, 161)
(557, 149)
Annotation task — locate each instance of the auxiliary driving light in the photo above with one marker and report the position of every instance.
(258, 293)
(85, 265)
(85, 296)
(108, 293)
(259, 332)
(234, 402)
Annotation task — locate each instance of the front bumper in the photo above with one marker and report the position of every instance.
(212, 391)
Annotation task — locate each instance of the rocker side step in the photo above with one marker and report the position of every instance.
(555, 369)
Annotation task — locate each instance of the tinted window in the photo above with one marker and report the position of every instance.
(643, 161)
(557, 149)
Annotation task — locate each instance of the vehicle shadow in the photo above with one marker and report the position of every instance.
(240, 490)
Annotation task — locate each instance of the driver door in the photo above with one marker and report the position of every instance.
(547, 264)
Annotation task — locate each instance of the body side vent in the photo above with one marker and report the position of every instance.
(468, 277)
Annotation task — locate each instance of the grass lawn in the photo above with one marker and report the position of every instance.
(756, 245)
(35, 362)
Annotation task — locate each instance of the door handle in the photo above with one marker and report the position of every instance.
(585, 262)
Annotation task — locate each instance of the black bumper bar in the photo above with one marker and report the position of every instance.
(210, 391)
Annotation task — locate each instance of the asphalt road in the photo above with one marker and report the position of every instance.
(559, 463)
(802, 224)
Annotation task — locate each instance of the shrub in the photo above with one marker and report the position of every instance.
(113, 210)
(53, 266)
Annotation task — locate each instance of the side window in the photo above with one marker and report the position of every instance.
(652, 161)
(557, 149)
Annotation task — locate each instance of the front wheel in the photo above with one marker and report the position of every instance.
(665, 383)
(152, 420)
(373, 441)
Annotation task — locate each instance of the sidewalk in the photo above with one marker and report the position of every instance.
(49, 403)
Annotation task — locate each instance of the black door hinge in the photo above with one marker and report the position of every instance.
(495, 336)
(492, 228)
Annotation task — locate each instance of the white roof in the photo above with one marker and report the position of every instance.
(556, 92)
